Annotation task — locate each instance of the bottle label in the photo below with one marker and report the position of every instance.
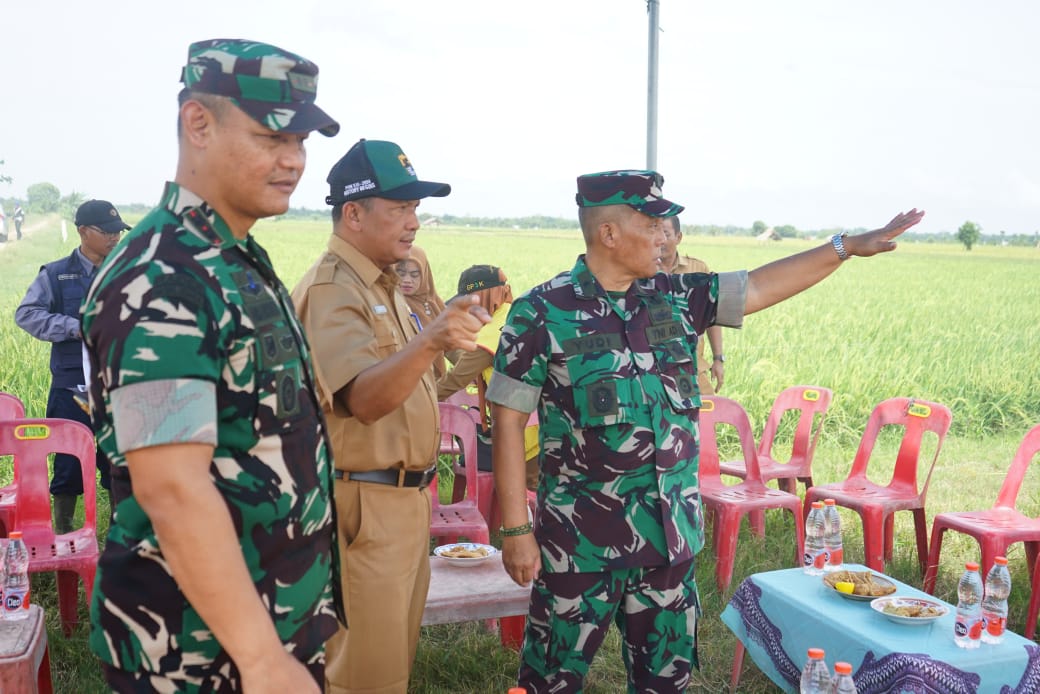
(960, 628)
(818, 560)
(15, 601)
(995, 624)
(837, 557)
(975, 631)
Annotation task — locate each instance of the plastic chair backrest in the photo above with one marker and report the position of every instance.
(716, 410)
(1007, 497)
(457, 423)
(30, 442)
(812, 403)
(11, 406)
(916, 417)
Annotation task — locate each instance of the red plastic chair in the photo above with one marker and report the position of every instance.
(460, 518)
(729, 503)
(1034, 602)
(997, 528)
(811, 402)
(11, 407)
(73, 554)
(877, 504)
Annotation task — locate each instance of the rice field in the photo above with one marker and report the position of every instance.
(929, 321)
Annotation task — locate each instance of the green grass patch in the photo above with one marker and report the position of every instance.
(930, 321)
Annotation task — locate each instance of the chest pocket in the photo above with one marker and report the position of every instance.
(677, 369)
(603, 395)
(280, 396)
(388, 337)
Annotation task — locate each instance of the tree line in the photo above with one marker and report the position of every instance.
(45, 198)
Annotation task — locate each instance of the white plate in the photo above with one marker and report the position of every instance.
(465, 561)
(879, 605)
(877, 578)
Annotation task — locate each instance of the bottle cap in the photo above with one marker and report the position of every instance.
(14, 535)
(971, 566)
(517, 690)
(817, 504)
(1000, 560)
(816, 653)
(843, 668)
(830, 502)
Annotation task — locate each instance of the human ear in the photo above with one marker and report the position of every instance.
(196, 122)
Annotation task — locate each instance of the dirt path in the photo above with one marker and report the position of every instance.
(28, 227)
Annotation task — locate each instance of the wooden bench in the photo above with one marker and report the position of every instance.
(25, 664)
(480, 592)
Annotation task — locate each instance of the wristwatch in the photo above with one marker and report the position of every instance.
(720, 357)
(838, 241)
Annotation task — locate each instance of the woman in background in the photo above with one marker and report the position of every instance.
(416, 284)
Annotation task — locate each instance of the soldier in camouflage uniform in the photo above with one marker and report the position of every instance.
(675, 264)
(219, 570)
(605, 353)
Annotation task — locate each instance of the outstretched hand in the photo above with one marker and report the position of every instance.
(880, 240)
(457, 325)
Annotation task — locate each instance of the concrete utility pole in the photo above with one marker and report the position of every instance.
(653, 10)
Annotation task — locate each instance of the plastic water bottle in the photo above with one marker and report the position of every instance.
(843, 683)
(994, 604)
(967, 630)
(832, 538)
(16, 578)
(816, 676)
(814, 558)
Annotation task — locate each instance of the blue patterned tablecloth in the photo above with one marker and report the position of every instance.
(779, 615)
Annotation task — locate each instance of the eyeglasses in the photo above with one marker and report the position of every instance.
(106, 233)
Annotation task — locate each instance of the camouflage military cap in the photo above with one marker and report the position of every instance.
(640, 190)
(274, 87)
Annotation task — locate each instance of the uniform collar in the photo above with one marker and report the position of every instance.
(367, 271)
(197, 216)
(586, 286)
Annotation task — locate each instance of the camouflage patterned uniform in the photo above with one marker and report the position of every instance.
(181, 301)
(685, 264)
(619, 517)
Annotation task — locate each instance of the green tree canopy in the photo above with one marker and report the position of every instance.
(43, 197)
(968, 234)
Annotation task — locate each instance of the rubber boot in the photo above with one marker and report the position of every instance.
(64, 510)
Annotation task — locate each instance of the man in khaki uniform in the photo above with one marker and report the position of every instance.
(675, 264)
(378, 392)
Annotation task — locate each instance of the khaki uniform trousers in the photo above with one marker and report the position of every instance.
(384, 544)
(704, 381)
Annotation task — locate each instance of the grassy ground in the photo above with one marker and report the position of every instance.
(910, 323)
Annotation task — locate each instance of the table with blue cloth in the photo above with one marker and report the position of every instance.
(778, 615)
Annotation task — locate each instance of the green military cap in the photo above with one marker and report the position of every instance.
(274, 87)
(640, 190)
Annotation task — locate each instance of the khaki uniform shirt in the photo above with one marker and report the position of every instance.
(355, 318)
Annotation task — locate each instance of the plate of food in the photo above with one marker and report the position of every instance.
(903, 610)
(465, 553)
(859, 585)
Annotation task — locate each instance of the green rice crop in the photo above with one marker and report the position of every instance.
(929, 321)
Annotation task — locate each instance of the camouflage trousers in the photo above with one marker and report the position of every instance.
(222, 679)
(656, 610)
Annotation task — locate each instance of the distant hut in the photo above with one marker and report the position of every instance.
(769, 234)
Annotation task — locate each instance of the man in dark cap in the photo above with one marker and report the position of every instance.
(605, 353)
(50, 312)
(218, 572)
(377, 388)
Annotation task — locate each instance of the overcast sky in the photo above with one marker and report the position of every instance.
(817, 113)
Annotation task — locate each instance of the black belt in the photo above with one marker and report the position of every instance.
(394, 478)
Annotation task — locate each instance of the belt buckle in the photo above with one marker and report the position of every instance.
(428, 475)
